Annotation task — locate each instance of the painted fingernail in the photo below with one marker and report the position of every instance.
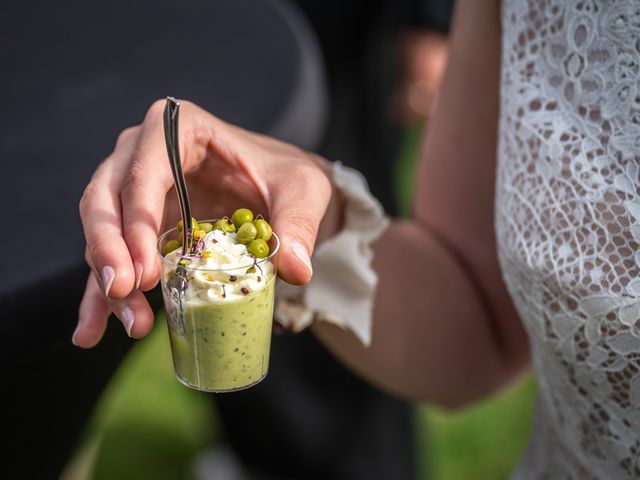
(127, 319)
(139, 269)
(303, 255)
(108, 275)
(74, 339)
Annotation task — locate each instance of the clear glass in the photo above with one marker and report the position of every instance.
(220, 345)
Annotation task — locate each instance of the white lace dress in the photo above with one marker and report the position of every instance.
(568, 227)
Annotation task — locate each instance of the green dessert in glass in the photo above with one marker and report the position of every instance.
(220, 321)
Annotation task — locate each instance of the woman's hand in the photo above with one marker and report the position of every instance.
(131, 199)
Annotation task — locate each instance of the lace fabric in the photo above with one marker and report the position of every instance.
(568, 226)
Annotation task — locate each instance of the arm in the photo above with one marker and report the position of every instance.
(424, 49)
(444, 328)
(424, 57)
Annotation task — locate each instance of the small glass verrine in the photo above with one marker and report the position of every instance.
(220, 328)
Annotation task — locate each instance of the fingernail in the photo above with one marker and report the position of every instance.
(127, 318)
(137, 266)
(108, 275)
(303, 255)
(75, 333)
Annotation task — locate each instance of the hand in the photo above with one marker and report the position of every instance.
(130, 199)
(424, 57)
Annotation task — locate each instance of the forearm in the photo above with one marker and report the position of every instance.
(444, 328)
(432, 338)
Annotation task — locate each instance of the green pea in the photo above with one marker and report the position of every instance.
(264, 229)
(225, 225)
(207, 227)
(194, 224)
(258, 248)
(246, 233)
(171, 245)
(242, 216)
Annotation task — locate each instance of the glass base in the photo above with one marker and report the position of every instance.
(224, 390)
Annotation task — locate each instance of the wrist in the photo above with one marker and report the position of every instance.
(343, 285)
(333, 219)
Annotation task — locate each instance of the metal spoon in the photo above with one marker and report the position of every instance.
(178, 283)
(171, 112)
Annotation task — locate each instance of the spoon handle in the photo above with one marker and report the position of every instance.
(171, 112)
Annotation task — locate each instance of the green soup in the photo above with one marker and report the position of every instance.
(225, 346)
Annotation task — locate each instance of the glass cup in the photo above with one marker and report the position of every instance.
(220, 343)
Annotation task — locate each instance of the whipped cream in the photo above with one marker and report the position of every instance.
(223, 270)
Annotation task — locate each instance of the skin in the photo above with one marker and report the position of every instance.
(130, 199)
(444, 328)
(424, 58)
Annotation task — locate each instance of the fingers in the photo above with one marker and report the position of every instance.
(122, 208)
(142, 196)
(100, 211)
(134, 312)
(121, 211)
(146, 184)
(92, 316)
(297, 210)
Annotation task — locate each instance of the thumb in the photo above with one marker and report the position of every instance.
(295, 217)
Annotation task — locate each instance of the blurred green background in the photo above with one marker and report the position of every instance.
(148, 426)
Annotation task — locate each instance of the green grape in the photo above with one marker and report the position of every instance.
(246, 233)
(171, 245)
(225, 225)
(264, 229)
(207, 227)
(194, 224)
(242, 216)
(258, 248)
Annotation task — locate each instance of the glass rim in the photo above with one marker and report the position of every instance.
(257, 261)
